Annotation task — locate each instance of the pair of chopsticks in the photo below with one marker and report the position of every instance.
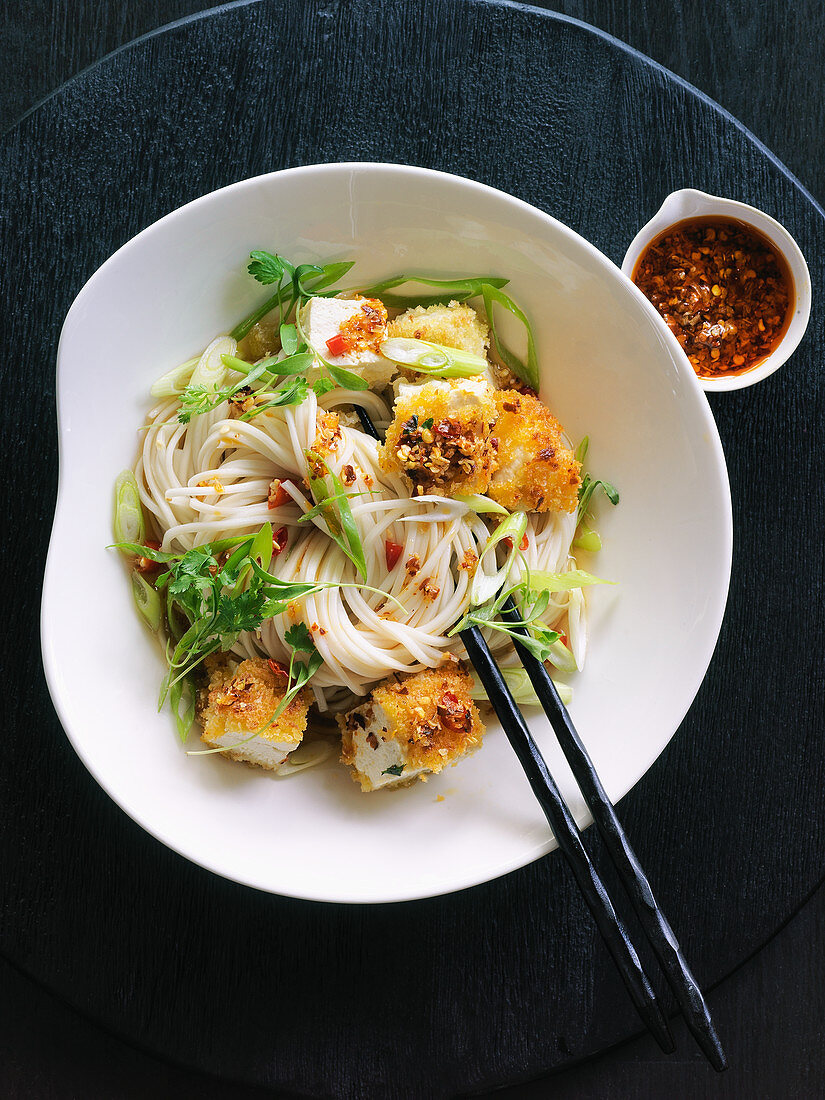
(612, 927)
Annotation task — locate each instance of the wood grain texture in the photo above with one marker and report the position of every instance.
(124, 927)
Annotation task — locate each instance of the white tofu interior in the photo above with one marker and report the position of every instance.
(464, 392)
(322, 319)
(263, 751)
(372, 762)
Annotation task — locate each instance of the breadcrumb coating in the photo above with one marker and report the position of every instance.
(536, 471)
(454, 326)
(440, 437)
(240, 700)
(421, 722)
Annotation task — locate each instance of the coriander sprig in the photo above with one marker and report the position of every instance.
(197, 400)
(216, 592)
(292, 283)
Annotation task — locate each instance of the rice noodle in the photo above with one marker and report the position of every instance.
(209, 479)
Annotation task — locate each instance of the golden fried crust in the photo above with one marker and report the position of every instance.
(243, 699)
(454, 454)
(430, 714)
(536, 470)
(454, 326)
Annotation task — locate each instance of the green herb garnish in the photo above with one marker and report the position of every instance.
(334, 509)
(293, 283)
(449, 290)
(527, 371)
(216, 592)
(393, 769)
(291, 393)
(427, 358)
(197, 400)
(587, 538)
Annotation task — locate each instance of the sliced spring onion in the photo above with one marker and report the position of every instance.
(486, 586)
(182, 695)
(561, 657)
(448, 290)
(481, 504)
(428, 358)
(522, 690)
(128, 523)
(175, 381)
(147, 601)
(528, 371)
(588, 540)
(210, 371)
(562, 582)
(341, 526)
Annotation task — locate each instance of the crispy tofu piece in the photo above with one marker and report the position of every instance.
(411, 727)
(441, 436)
(239, 700)
(361, 323)
(454, 326)
(536, 471)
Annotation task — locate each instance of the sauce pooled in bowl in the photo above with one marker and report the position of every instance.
(724, 290)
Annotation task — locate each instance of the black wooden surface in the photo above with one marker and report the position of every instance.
(123, 928)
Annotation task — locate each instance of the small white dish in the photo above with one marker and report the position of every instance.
(610, 367)
(690, 203)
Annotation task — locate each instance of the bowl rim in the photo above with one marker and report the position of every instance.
(458, 881)
(690, 202)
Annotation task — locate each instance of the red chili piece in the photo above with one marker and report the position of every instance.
(278, 496)
(279, 540)
(393, 550)
(338, 344)
(525, 542)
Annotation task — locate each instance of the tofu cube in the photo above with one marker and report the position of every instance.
(361, 323)
(410, 727)
(236, 708)
(440, 437)
(536, 471)
(454, 326)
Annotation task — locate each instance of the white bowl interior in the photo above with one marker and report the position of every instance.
(610, 369)
(690, 203)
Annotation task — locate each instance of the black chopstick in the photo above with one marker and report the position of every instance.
(366, 422)
(655, 924)
(569, 838)
(564, 827)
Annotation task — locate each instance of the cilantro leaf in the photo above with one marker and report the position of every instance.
(197, 400)
(238, 613)
(393, 769)
(266, 267)
(291, 393)
(300, 638)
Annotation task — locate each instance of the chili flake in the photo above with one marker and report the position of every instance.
(723, 289)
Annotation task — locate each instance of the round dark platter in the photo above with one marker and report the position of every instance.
(509, 979)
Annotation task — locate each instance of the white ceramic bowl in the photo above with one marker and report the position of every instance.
(610, 368)
(689, 203)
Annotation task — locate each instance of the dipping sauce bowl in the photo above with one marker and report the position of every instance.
(688, 207)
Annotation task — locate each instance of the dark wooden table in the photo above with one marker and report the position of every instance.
(764, 64)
